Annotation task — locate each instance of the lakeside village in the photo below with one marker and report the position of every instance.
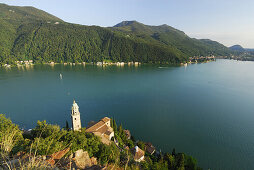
(191, 60)
(101, 145)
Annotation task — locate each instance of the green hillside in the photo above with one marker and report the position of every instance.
(29, 33)
(173, 38)
(24, 14)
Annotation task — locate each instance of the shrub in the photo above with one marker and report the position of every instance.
(10, 135)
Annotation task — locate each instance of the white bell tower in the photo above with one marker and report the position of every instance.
(75, 115)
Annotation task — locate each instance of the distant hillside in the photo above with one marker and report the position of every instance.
(249, 49)
(29, 33)
(240, 53)
(174, 39)
(237, 48)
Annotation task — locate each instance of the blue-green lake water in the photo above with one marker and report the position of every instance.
(205, 110)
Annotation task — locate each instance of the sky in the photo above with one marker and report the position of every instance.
(229, 22)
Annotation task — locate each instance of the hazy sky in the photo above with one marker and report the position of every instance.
(227, 21)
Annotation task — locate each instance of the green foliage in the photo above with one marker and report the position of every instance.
(177, 41)
(45, 130)
(67, 126)
(180, 161)
(50, 138)
(190, 162)
(47, 139)
(141, 145)
(114, 125)
(120, 135)
(174, 152)
(108, 154)
(46, 146)
(130, 143)
(10, 135)
(160, 165)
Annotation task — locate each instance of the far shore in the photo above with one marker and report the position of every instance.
(28, 63)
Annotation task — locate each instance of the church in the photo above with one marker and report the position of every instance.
(75, 116)
(101, 129)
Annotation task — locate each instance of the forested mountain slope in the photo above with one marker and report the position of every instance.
(173, 38)
(29, 33)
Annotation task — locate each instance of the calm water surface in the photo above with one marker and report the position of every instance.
(205, 110)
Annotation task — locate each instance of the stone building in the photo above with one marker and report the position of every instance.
(75, 115)
(102, 129)
(138, 154)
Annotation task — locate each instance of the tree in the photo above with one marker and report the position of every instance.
(174, 152)
(180, 161)
(190, 162)
(44, 130)
(114, 126)
(67, 125)
(141, 145)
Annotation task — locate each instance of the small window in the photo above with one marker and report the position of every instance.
(75, 118)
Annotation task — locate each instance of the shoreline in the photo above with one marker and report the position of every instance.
(101, 64)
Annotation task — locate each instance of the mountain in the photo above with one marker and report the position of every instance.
(12, 19)
(22, 14)
(30, 33)
(249, 49)
(240, 53)
(174, 39)
(237, 48)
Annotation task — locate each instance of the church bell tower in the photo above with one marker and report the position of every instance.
(75, 115)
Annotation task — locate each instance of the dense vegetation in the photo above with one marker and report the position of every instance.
(46, 139)
(172, 38)
(28, 33)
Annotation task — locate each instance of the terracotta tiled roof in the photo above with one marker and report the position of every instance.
(137, 154)
(57, 156)
(95, 127)
(105, 119)
(101, 127)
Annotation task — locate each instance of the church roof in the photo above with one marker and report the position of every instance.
(105, 119)
(101, 127)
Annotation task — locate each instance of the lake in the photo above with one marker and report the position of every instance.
(205, 110)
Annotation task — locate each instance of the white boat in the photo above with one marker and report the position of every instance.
(61, 76)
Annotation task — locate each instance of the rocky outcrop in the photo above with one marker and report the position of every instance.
(81, 159)
(94, 161)
(78, 160)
